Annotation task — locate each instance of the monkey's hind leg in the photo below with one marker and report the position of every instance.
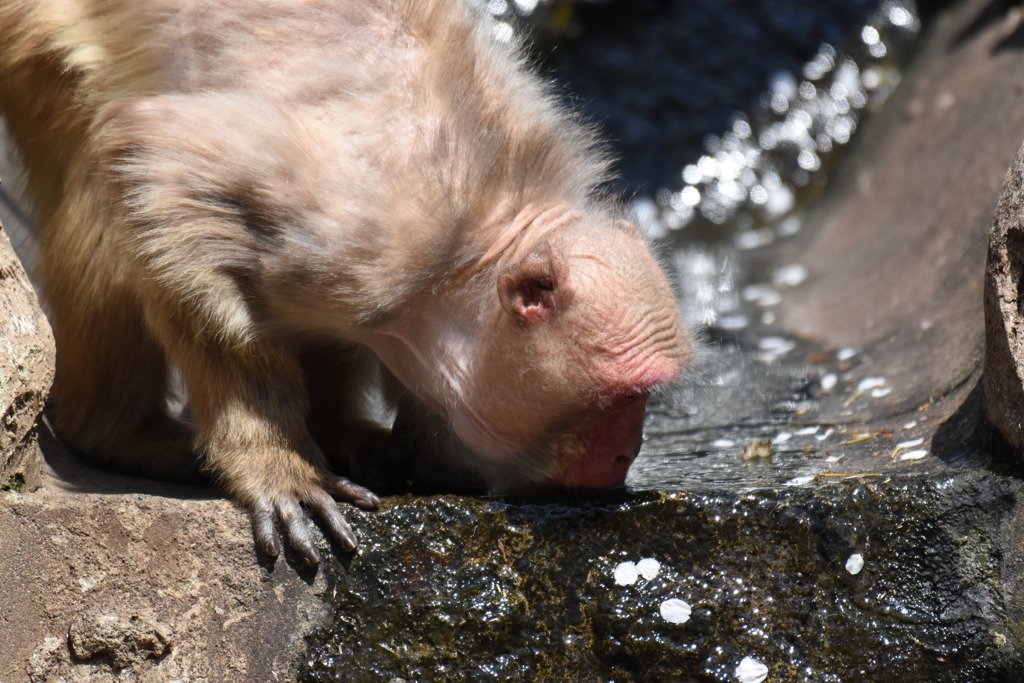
(109, 398)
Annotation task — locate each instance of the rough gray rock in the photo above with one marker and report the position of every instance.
(1004, 311)
(120, 579)
(123, 641)
(26, 372)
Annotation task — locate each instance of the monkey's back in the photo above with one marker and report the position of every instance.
(424, 76)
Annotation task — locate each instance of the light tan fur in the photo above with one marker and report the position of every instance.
(259, 192)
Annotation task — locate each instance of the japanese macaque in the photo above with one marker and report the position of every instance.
(286, 201)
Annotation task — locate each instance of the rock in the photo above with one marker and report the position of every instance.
(124, 642)
(1004, 311)
(896, 262)
(26, 373)
(123, 579)
(497, 590)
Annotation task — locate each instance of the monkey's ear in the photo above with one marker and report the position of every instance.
(534, 289)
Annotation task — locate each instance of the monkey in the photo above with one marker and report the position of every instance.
(288, 203)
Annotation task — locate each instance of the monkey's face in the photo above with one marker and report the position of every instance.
(537, 373)
(585, 330)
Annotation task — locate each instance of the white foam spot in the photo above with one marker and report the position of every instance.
(870, 383)
(913, 455)
(751, 670)
(648, 568)
(675, 611)
(846, 353)
(626, 574)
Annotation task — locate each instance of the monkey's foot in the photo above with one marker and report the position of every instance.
(266, 510)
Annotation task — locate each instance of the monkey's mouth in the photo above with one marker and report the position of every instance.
(611, 440)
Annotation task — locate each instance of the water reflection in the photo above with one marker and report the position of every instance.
(751, 174)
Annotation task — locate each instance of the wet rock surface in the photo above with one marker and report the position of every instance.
(684, 586)
(872, 360)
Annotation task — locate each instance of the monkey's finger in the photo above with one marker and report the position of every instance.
(332, 518)
(342, 488)
(264, 528)
(296, 526)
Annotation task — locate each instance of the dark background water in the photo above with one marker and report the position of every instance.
(660, 75)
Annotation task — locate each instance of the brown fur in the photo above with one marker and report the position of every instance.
(258, 191)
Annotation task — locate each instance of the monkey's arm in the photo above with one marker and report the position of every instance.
(198, 230)
(249, 407)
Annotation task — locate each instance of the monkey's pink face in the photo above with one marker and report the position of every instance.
(534, 435)
(583, 336)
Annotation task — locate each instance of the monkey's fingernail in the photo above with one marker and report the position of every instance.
(270, 546)
(347, 539)
(310, 556)
(369, 501)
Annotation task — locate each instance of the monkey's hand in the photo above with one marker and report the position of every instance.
(267, 510)
(250, 414)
